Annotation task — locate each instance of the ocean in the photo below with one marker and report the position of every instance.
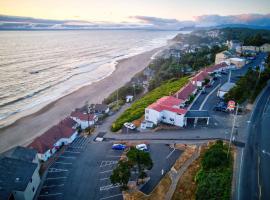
(38, 67)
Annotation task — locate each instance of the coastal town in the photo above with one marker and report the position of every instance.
(76, 158)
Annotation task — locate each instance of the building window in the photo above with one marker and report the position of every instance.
(147, 111)
(172, 119)
(33, 189)
(146, 117)
(163, 117)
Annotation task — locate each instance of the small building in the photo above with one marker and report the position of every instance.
(199, 78)
(101, 109)
(233, 44)
(49, 142)
(222, 57)
(238, 62)
(129, 98)
(84, 119)
(147, 124)
(167, 110)
(224, 89)
(216, 68)
(250, 48)
(265, 47)
(19, 174)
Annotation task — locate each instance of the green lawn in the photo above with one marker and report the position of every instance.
(137, 108)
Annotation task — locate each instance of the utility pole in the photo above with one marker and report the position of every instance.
(134, 90)
(117, 99)
(234, 120)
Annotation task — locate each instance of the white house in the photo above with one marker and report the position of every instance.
(238, 62)
(166, 110)
(84, 119)
(61, 134)
(222, 57)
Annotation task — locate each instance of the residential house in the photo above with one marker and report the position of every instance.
(238, 62)
(19, 174)
(48, 143)
(233, 44)
(250, 48)
(84, 119)
(222, 57)
(199, 78)
(186, 92)
(167, 110)
(101, 109)
(265, 47)
(216, 68)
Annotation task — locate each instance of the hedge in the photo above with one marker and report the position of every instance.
(137, 108)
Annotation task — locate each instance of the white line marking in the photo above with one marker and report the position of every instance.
(106, 171)
(55, 178)
(206, 98)
(102, 179)
(69, 157)
(108, 187)
(48, 186)
(170, 153)
(45, 195)
(111, 196)
(63, 163)
(239, 183)
(72, 152)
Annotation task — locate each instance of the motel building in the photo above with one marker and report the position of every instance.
(167, 110)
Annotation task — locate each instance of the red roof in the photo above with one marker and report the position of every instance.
(215, 67)
(200, 76)
(68, 122)
(185, 91)
(168, 103)
(83, 116)
(47, 140)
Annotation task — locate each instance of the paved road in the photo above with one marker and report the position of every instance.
(254, 180)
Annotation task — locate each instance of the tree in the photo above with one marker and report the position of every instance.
(121, 174)
(141, 159)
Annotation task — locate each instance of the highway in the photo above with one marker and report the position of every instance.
(254, 179)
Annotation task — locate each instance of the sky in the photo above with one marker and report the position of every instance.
(146, 12)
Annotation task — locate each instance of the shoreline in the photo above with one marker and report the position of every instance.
(25, 129)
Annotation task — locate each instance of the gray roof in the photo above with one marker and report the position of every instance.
(197, 114)
(226, 87)
(14, 175)
(21, 153)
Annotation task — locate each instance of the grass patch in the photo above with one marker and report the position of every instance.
(137, 108)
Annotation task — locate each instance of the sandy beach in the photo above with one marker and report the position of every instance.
(27, 128)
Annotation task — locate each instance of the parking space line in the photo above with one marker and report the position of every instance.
(72, 151)
(52, 194)
(48, 186)
(55, 170)
(103, 179)
(69, 157)
(106, 171)
(56, 178)
(111, 196)
(105, 163)
(64, 163)
(108, 187)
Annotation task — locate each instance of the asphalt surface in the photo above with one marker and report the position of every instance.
(254, 181)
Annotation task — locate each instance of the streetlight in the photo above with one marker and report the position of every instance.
(265, 152)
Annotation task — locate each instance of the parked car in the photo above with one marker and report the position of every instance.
(118, 146)
(221, 106)
(129, 125)
(142, 147)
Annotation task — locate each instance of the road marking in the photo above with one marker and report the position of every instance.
(239, 182)
(170, 153)
(206, 98)
(69, 157)
(111, 196)
(260, 187)
(108, 187)
(103, 179)
(72, 151)
(266, 105)
(106, 171)
(56, 178)
(53, 194)
(51, 170)
(48, 186)
(63, 163)
(108, 163)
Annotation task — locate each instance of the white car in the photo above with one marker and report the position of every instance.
(129, 125)
(142, 147)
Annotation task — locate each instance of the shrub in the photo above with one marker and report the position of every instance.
(137, 108)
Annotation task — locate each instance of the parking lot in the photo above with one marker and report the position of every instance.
(57, 174)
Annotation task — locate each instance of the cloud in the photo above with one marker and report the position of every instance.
(245, 19)
(141, 22)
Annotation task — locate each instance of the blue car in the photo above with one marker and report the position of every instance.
(118, 146)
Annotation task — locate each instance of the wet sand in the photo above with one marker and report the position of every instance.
(24, 130)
